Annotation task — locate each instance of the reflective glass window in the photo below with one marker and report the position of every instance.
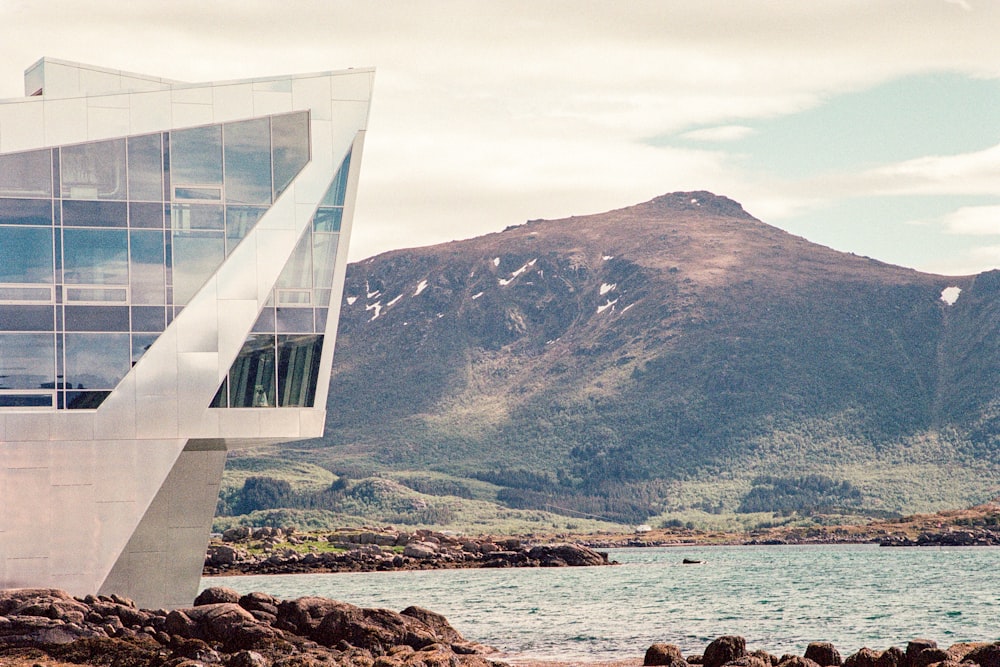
(27, 174)
(196, 156)
(337, 192)
(265, 321)
(248, 161)
(295, 320)
(95, 256)
(298, 369)
(8, 293)
(96, 294)
(25, 211)
(298, 269)
(94, 213)
(96, 318)
(145, 168)
(145, 215)
(193, 193)
(196, 257)
(94, 171)
(27, 318)
(321, 316)
(239, 221)
(197, 216)
(147, 273)
(251, 378)
(328, 218)
(96, 360)
(324, 259)
(27, 361)
(85, 400)
(290, 147)
(26, 255)
(26, 400)
(141, 343)
(148, 318)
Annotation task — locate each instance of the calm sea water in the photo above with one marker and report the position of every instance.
(780, 598)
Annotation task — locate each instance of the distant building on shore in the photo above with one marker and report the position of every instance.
(172, 259)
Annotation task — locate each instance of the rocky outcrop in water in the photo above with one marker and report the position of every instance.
(276, 551)
(226, 629)
(730, 651)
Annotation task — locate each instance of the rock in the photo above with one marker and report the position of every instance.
(304, 615)
(863, 658)
(724, 649)
(569, 554)
(915, 646)
(437, 623)
(216, 595)
(891, 657)
(421, 550)
(796, 661)
(929, 656)
(824, 654)
(985, 656)
(248, 659)
(374, 629)
(662, 654)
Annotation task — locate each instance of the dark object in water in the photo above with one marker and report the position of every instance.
(692, 561)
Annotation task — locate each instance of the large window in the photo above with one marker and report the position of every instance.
(95, 256)
(26, 255)
(94, 171)
(248, 161)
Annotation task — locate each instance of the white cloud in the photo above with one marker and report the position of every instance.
(720, 133)
(974, 220)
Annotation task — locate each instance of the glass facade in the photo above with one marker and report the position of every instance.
(103, 243)
(279, 363)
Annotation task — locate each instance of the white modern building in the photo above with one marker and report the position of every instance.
(172, 258)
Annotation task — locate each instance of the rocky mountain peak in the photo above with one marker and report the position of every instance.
(700, 201)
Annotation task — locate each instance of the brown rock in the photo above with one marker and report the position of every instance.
(796, 661)
(724, 649)
(866, 657)
(304, 615)
(891, 657)
(662, 654)
(985, 656)
(824, 654)
(375, 629)
(216, 595)
(437, 623)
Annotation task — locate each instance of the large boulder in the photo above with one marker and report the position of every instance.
(377, 630)
(663, 654)
(303, 615)
(216, 595)
(437, 623)
(824, 654)
(985, 656)
(865, 657)
(44, 602)
(567, 554)
(724, 649)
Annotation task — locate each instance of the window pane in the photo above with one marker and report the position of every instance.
(96, 360)
(248, 161)
(26, 255)
(298, 369)
(251, 378)
(26, 174)
(295, 320)
(290, 147)
(328, 218)
(146, 216)
(27, 318)
(196, 156)
(195, 216)
(141, 343)
(196, 255)
(27, 361)
(148, 318)
(239, 221)
(324, 259)
(145, 168)
(95, 256)
(85, 400)
(26, 211)
(298, 270)
(94, 171)
(96, 318)
(94, 213)
(147, 274)
(337, 192)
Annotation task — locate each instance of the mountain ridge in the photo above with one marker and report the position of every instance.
(640, 357)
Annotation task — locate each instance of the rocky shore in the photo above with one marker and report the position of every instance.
(49, 628)
(283, 551)
(731, 651)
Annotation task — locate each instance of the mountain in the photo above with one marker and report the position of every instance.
(677, 356)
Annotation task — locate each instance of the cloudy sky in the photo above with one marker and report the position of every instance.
(872, 126)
